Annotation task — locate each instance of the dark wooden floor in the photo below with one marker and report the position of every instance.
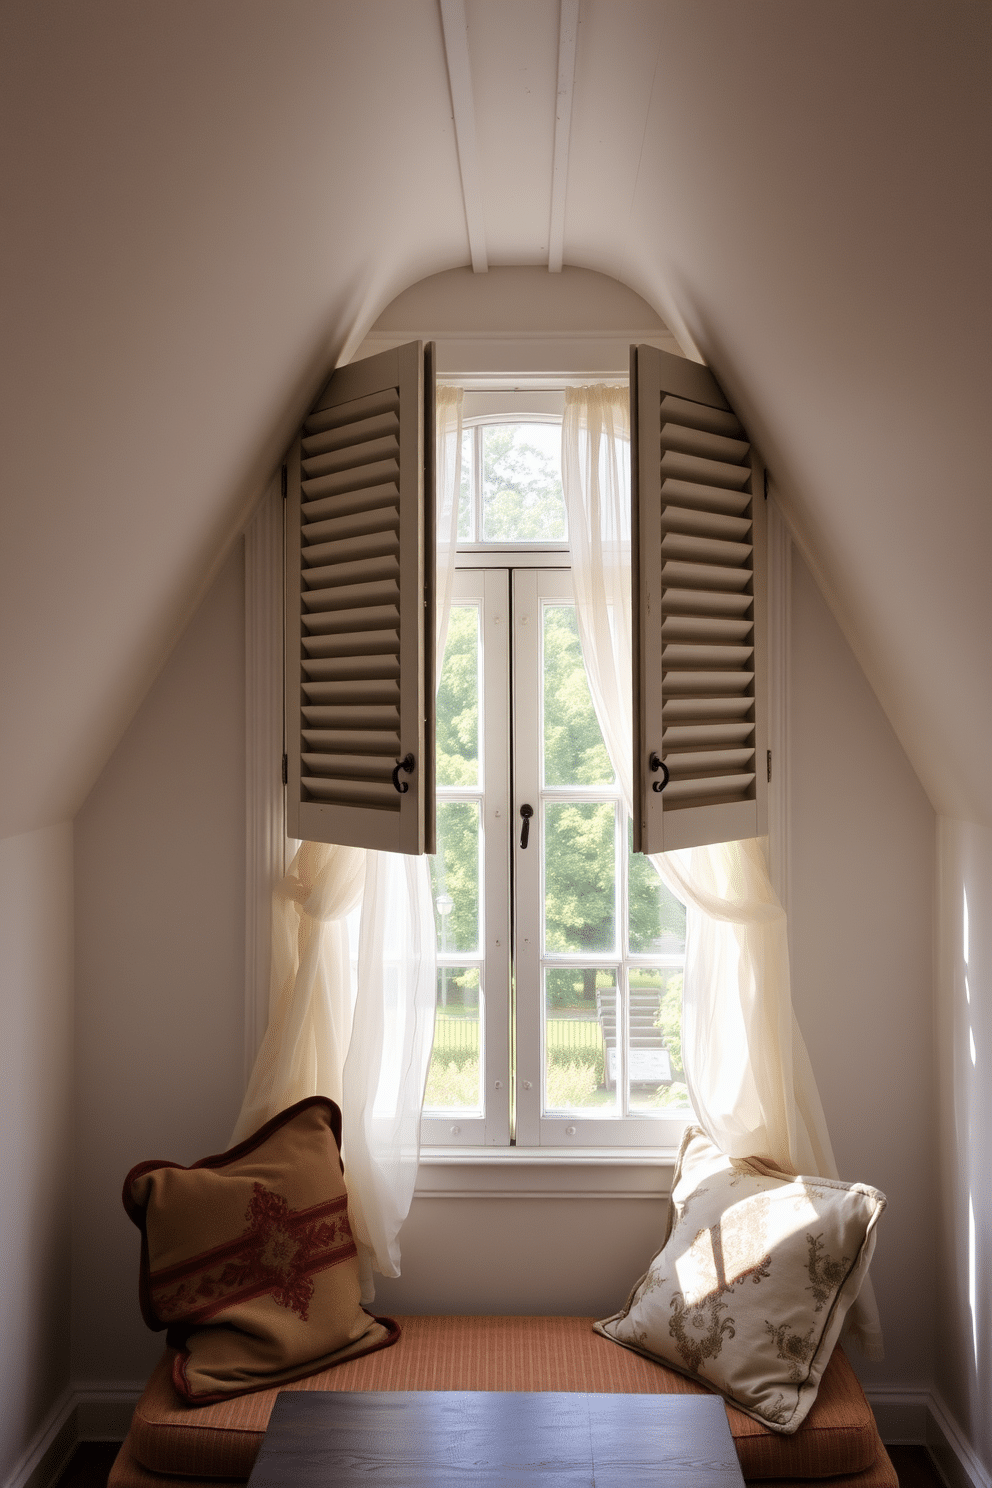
(92, 1462)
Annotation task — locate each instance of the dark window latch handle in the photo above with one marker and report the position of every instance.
(659, 764)
(526, 813)
(407, 764)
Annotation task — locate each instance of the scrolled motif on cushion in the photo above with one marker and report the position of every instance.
(248, 1258)
(750, 1290)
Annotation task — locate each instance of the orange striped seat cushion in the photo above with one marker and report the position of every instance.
(170, 1436)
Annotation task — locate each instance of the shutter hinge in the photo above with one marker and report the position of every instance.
(285, 483)
(769, 764)
(285, 769)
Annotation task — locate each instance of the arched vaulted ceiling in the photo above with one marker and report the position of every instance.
(207, 202)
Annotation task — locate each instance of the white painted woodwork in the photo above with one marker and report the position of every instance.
(455, 27)
(568, 31)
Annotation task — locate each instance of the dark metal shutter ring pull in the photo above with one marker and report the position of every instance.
(526, 813)
(659, 764)
(407, 764)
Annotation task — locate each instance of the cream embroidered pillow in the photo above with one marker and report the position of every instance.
(749, 1292)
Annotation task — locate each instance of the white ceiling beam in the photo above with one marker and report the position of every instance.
(568, 30)
(454, 24)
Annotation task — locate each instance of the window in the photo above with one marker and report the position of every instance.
(560, 953)
(360, 760)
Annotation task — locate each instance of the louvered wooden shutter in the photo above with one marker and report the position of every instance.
(699, 611)
(360, 608)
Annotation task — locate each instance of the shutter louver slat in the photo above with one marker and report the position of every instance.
(356, 669)
(345, 644)
(675, 655)
(367, 690)
(707, 576)
(376, 519)
(358, 570)
(706, 472)
(705, 708)
(319, 601)
(337, 668)
(350, 793)
(343, 503)
(705, 498)
(351, 458)
(381, 427)
(683, 440)
(336, 415)
(334, 744)
(347, 483)
(706, 734)
(704, 523)
(704, 628)
(698, 528)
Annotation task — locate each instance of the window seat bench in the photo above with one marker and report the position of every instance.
(172, 1444)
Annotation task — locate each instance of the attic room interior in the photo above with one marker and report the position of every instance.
(210, 208)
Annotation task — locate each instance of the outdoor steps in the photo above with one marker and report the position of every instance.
(643, 1035)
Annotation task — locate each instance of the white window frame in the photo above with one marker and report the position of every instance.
(488, 589)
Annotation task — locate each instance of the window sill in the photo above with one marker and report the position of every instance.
(545, 1172)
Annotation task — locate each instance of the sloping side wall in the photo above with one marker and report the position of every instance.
(861, 897)
(35, 1131)
(160, 873)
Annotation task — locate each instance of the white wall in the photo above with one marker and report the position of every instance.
(962, 1201)
(861, 836)
(35, 1130)
(160, 868)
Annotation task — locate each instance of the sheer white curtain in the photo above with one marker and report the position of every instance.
(368, 1048)
(748, 1073)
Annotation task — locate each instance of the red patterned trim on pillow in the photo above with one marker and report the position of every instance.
(136, 1212)
(279, 1252)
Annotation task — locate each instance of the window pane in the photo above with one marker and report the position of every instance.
(458, 701)
(579, 1022)
(521, 483)
(656, 1080)
(466, 511)
(455, 876)
(574, 752)
(657, 919)
(579, 876)
(454, 1080)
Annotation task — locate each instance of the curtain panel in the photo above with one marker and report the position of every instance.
(749, 1077)
(366, 1042)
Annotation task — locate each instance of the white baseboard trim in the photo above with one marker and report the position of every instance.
(50, 1448)
(87, 1412)
(950, 1450)
(921, 1418)
(901, 1414)
(104, 1409)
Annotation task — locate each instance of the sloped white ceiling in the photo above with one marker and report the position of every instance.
(207, 203)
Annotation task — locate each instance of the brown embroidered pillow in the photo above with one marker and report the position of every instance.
(248, 1258)
(751, 1288)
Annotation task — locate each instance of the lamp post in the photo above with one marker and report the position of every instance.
(445, 904)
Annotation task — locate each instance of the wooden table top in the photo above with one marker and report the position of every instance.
(491, 1439)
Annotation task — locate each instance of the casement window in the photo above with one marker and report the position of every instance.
(559, 951)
